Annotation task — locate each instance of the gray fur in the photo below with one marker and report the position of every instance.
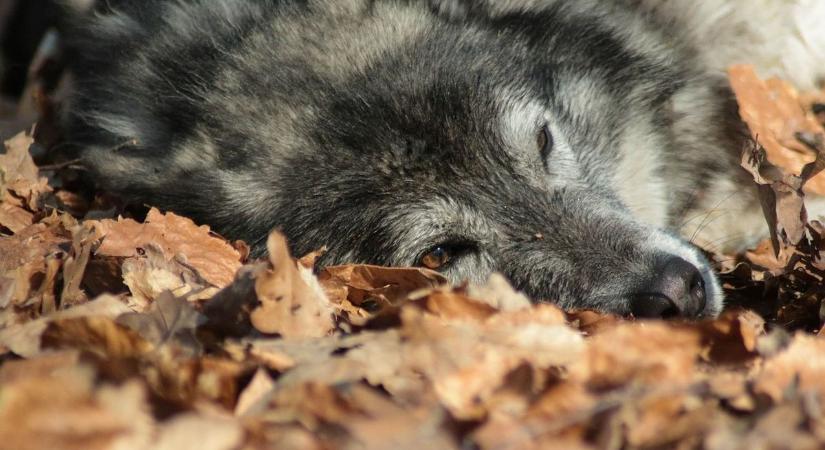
(385, 128)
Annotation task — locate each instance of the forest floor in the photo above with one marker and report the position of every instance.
(131, 330)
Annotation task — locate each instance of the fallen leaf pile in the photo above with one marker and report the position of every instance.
(786, 161)
(139, 332)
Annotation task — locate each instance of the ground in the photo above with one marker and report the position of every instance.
(128, 328)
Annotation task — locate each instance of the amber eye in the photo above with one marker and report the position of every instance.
(436, 258)
(545, 142)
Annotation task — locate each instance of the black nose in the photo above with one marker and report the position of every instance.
(675, 289)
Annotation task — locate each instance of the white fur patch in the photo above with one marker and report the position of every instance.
(638, 177)
(784, 38)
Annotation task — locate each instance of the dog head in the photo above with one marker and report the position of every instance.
(541, 143)
(530, 145)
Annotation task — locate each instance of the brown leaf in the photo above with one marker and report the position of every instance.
(663, 419)
(29, 260)
(450, 303)
(13, 216)
(799, 365)
(732, 338)
(207, 433)
(25, 339)
(170, 320)
(95, 334)
(781, 197)
(292, 303)
(228, 311)
(43, 365)
(468, 361)
(74, 268)
(375, 288)
(623, 354)
(214, 259)
(151, 274)
(763, 256)
(62, 410)
(372, 420)
(21, 186)
(499, 293)
(254, 397)
(592, 322)
(376, 357)
(775, 114)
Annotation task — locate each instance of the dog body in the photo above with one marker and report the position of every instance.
(555, 141)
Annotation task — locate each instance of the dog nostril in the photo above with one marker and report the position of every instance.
(676, 289)
(653, 307)
(697, 292)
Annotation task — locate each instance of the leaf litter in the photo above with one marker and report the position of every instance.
(119, 331)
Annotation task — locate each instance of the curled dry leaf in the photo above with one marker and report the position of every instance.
(363, 291)
(228, 311)
(61, 409)
(621, 355)
(210, 433)
(800, 366)
(355, 408)
(733, 337)
(30, 259)
(21, 186)
(170, 320)
(292, 303)
(775, 115)
(74, 268)
(499, 293)
(372, 356)
(98, 335)
(467, 361)
(254, 397)
(213, 258)
(781, 197)
(151, 274)
(25, 339)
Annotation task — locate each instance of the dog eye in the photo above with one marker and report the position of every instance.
(545, 142)
(436, 258)
(442, 255)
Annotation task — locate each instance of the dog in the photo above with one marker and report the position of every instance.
(566, 144)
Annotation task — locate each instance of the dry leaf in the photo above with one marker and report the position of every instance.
(151, 274)
(63, 410)
(800, 365)
(622, 354)
(468, 361)
(95, 334)
(499, 294)
(365, 291)
(192, 431)
(292, 303)
(21, 186)
(25, 339)
(170, 320)
(30, 259)
(214, 259)
(781, 197)
(254, 397)
(775, 114)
